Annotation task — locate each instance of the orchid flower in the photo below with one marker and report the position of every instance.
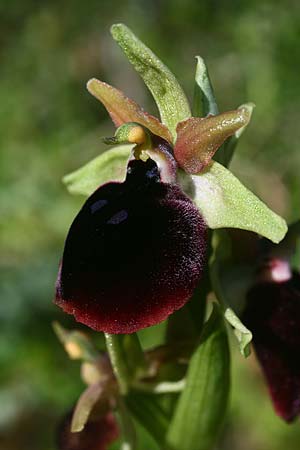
(137, 248)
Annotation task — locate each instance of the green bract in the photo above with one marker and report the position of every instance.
(243, 335)
(204, 99)
(202, 405)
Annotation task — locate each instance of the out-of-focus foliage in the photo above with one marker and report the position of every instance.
(50, 125)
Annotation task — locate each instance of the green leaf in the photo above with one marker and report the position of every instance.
(129, 436)
(148, 412)
(135, 355)
(243, 335)
(169, 96)
(201, 407)
(226, 203)
(204, 99)
(109, 166)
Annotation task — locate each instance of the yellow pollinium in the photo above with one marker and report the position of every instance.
(137, 135)
(73, 349)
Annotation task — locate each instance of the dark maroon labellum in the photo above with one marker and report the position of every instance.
(273, 315)
(133, 255)
(96, 435)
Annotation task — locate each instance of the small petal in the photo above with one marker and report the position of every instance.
(98, 434)
(133, 255)
(273, 315)
(122, 109)
(199, 138)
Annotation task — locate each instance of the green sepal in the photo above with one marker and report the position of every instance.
(204, 99)
(109, 166)
(201, 407)
(168, 94)
(225, 202)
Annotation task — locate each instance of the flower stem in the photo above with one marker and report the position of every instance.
(128, 428)
(115, 350)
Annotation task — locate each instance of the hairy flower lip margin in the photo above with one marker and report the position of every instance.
(133, 255)
(272, 313)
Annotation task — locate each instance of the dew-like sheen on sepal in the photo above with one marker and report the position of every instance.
(133, 255)
(272, 313)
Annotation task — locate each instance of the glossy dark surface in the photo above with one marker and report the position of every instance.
(133, 255)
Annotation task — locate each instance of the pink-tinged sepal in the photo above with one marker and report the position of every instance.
(122, 109)
(272, 313)
(199, 138)
(133, 255)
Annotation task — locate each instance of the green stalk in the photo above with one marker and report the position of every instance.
(117, 356)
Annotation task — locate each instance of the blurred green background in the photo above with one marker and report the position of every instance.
(50, 125)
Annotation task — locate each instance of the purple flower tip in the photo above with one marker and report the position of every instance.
(273, 315)
(133, 255)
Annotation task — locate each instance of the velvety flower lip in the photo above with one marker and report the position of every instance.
(97, 434)
(272, 314)
(133, 255)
